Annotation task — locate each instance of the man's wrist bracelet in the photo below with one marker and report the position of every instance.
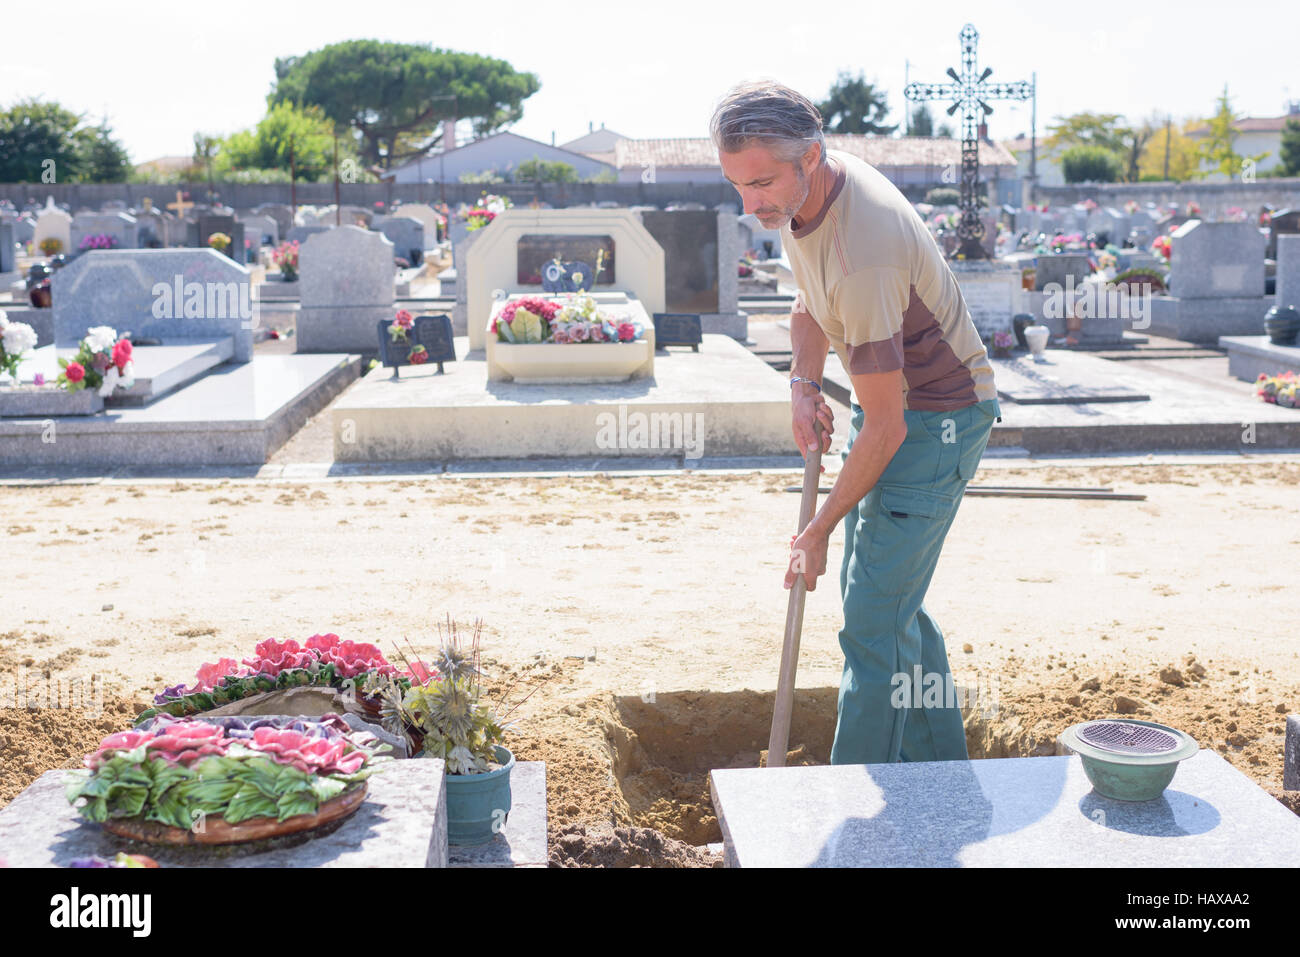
(799, 378)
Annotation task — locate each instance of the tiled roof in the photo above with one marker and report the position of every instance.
(877, 150)
(1252, 124)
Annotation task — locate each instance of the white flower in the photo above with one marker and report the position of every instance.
(4, 319)
(100, 338)
(109, 383)
(128, 374)
(18, 337)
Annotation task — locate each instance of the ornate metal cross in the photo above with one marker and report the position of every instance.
(969, 93)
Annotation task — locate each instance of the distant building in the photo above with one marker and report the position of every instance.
(500, 153)
(598, 144)
(1255, 135)
(913, 163)
(164, 166)
(1049, 161)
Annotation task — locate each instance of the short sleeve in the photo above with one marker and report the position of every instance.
(871, 303)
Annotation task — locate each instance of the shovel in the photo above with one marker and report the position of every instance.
(780, 737)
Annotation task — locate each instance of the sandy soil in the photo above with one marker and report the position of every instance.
(650, 609)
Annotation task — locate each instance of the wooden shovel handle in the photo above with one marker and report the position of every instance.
(780, 738)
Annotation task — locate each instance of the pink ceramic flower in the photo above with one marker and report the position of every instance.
(121, 741)
(272, 657)
(211, 675)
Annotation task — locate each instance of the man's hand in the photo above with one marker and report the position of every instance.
(806, 408)
(807, 557)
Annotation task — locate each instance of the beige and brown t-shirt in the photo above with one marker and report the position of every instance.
(873, 278)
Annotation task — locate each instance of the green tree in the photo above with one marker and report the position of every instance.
(537, 170)
(103, 159)
(922, 121)
(1290, 158)
(266, 146)
(1217, 147)
(855, 106)
(1090, 164)
(395, 94)
(944, 131)
(33, 133)
(1106, 130)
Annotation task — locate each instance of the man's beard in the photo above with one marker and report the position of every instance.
(778, 218)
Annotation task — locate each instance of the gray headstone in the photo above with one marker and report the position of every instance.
(7, 252)
(121, 226)
(299, 234)
(24, 229)
(281, 213)
(1054, 268)
(460, 311)
(1217, 261)
(1108, 223)
(262, 230)
(136, 291)
(405, 233)
(1284, 222)
(151, 229)
(691, 273)
(1288, 270)
(346, 281)
(428, 217)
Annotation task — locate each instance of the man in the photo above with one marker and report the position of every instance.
(873, 285)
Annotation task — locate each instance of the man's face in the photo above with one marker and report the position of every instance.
(772, 189)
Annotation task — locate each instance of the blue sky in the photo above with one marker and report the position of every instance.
(160, 71)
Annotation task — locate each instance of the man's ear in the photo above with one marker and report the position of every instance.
(811, 159)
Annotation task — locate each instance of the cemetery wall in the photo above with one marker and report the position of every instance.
(1213, 198)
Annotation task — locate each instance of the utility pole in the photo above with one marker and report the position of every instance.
(1033, 138)
(1168, 121)
(338, 209)
(293, 184)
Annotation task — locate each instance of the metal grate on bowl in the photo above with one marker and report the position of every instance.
(1124, 738)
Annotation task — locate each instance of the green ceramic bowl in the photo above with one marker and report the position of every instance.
(1129, 776)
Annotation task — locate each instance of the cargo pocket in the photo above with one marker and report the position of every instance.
(906, 534)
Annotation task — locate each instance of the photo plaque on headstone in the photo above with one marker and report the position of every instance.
(432, 332)
(534, 252)
(678, 329)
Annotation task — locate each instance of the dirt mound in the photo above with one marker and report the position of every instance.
(36, 740)
(577, 845)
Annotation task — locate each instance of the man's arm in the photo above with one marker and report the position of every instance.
(880, 394)
(808, 347)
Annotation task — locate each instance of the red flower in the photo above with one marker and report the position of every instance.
(122, 353)
(626, 332)
(422, 673)
(419, 356)
(404, 319)
(75, 372)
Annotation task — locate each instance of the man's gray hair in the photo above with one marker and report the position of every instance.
(770, 114)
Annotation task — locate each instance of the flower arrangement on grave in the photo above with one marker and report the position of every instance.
(97, 241)
(1002, 343)
(1107, 260)
(219, 241)
(1140, 281)
(525, 320)
(16, 339)
(442, 713)
(180, 771)
(103, 362)
(1265, 218)
(399, 330)
(1193, 208)
(1234, 214)
(1282, 389)
(746, 267)
(285, 258)
(51, 245)
(1163, 247)
(1131, 207)
(579, 320)
(485, 210)
(322, 661)
(1089, 204)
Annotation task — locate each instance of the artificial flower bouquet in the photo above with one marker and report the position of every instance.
(1282, 389)
(577, 319)
(399, 330)
(285, 258)
(16, 340)
(97, 241)
(103, 362)
(180, 772)
(323, 661)
(485, 210)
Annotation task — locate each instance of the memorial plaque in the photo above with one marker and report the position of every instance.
(566, 277)
(691, 268)
(432, 332)
(678, 329)
(533, 253)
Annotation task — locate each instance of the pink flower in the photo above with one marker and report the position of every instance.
(580, 332)
(186, 741)
(626, 332)
(422, 673)
(121, 741)
(272, 657)
(122, 353)
(38, 379)
(211, 675)
(75, 372)
(285, 746)
(404, 319)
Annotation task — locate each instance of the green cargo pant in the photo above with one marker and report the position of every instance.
(893, 650)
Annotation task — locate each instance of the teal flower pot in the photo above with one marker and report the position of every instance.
(479, 804)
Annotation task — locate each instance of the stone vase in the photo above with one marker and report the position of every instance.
(1036, 338)
(1282, 325)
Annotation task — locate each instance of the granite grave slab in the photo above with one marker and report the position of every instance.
(1066, 377)
(346, 280)
(998, 812)
(401, 823)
